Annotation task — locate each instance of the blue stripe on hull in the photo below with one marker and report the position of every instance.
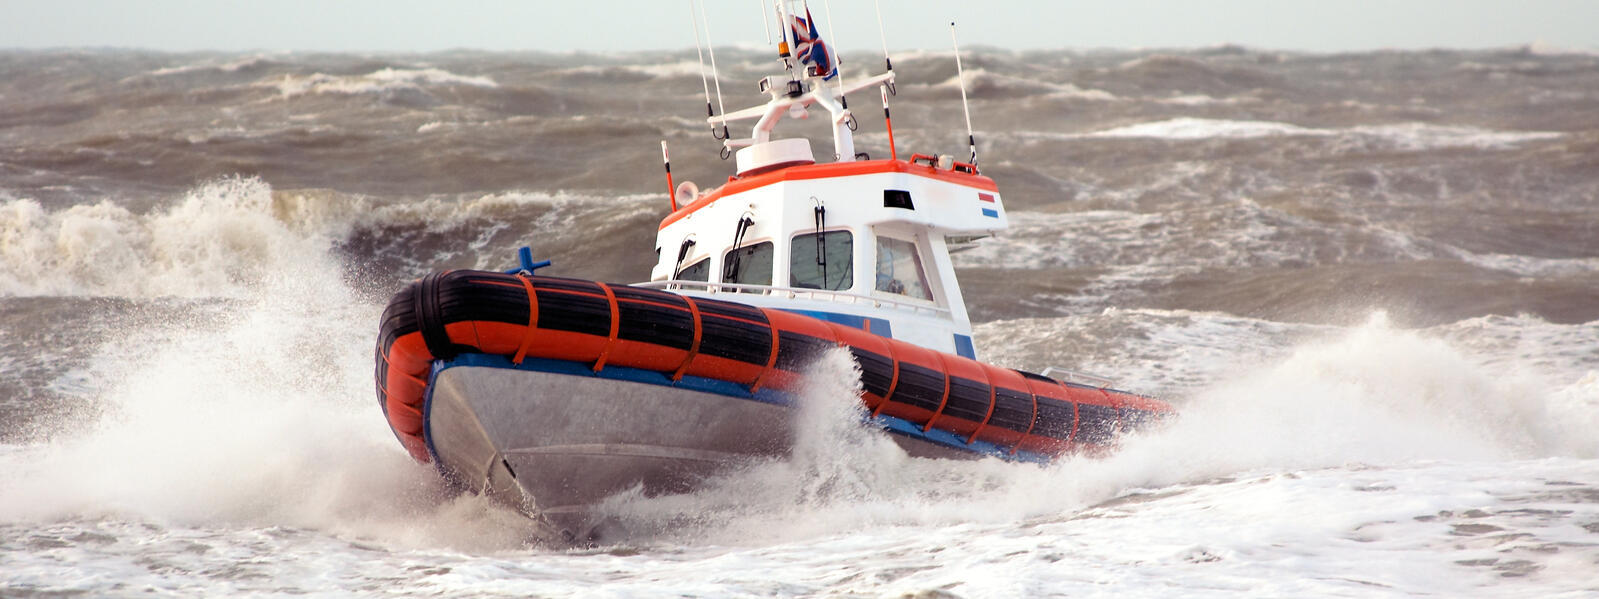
(963, 346)
(875, 326)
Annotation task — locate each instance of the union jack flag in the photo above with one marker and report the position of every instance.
(809, 47)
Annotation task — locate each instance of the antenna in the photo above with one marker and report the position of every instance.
(709, 112)
(671, 190)
(961, 75)
(838, 63)
(714, 73)
(767, 25)
(785, 47)
(888, 64)
(888, 123)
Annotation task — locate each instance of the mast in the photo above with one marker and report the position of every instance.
(967, 108)
(802, 89)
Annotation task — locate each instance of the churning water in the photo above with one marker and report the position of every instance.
(1369, 281)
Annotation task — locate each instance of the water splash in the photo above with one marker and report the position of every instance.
(1370, 396)
(1365, 397)
(258, 412)
(219, 240)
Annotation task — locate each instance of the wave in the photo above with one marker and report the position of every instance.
(1206, 100)
(282, 384)
(986, 84)
(1186, 128)
(235, 65)
(280, 380)
(1132, 246)
(1138, 246)
(232, 237)
(1399, 136)
(1372, 396)
(380, 81)
(1384, 395)
(258, 412)
(681, 68)
(1543, 48)
(217, 241)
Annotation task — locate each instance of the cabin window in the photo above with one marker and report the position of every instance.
(822, 261)
(899, 269)
(698, 271)
(749, 265)
(897, 198)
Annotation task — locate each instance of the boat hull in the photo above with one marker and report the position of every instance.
(554, 444)
(551, 394)
(557, 440)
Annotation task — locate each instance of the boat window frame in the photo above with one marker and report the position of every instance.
(848, 277)
(771, 271)
(706, 261)
(917, 257)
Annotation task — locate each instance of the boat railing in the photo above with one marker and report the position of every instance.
(826, 295)
(1081, 378)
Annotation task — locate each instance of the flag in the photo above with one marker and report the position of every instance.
(809, 47)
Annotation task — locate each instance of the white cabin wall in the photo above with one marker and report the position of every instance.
(865, 261)
(945, 267)
(784, 209)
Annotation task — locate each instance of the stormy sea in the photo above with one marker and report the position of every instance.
(1368, 281)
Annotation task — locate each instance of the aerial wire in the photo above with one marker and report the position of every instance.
(961, 75)
(711, 46)
(704, 83)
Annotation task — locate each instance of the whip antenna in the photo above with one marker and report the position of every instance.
(785, 39)
(671, 190)
(887, 64)
(767, 25)
(838, 63)
(888, 122)
(714, 74)
(961, 75)
(709, 112)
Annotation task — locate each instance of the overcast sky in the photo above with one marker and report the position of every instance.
(606, 25)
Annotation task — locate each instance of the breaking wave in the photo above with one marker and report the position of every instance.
(1369, 396)
(1399, 136)
(379, 81)
(231, 237)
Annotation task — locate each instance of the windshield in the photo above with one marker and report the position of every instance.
(749, 265)
(899, 269)
(822, 261)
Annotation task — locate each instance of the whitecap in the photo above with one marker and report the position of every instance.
(1400, 136)
(383, 80)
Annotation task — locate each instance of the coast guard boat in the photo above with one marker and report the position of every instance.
(551, 394)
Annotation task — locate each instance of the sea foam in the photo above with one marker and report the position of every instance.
(1400, 136)
(382, 80)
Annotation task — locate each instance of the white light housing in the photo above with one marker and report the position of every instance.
(763, 157)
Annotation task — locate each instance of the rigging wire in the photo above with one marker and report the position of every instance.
(704, 83)
(838, 62)
(714, 73)
(767, 25)
(887, 64)
(961, 74)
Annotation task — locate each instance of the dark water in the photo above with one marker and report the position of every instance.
(1372, 280)
(1438, 185)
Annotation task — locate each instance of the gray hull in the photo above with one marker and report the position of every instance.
(555, 444)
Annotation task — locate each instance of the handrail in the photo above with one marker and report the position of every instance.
(933, 162)
(1082, 378)
(839, 297)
